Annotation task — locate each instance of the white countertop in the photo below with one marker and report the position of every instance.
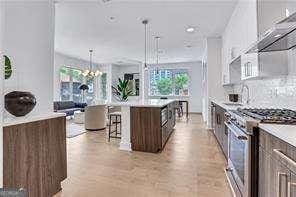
(227, 107)
(286, 133)
(9, 121)
(143, 103)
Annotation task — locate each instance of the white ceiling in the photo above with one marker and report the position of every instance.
(81, 25)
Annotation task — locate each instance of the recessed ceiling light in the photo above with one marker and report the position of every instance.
(278, 35)
(190, 29)
(112, 18)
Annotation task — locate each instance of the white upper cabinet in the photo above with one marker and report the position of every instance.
(240, 32)
(249, 21)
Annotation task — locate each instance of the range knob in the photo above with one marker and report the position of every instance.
(233, 119)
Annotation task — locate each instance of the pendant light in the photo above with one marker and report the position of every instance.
(145, 22)
(89, 72)
(157, 38)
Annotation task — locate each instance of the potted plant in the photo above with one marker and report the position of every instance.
(17, 103)
(123, 90)
(7, 67)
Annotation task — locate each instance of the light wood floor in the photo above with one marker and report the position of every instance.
(190, 165)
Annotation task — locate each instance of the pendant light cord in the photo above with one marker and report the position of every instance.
(146, 44)
(157, 48)
(145, 22)
(90, 60)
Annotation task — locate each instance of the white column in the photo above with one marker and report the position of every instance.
(1, 92)
(125, 143)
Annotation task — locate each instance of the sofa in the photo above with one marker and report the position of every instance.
(68, 107)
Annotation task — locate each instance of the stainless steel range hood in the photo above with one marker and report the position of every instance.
(281, 37)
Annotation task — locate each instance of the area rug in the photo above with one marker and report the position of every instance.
(74, 129)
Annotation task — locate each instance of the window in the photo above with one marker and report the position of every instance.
(71, 79)
(169, 82)
(103, 86)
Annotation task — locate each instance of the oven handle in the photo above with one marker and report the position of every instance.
(240, 137)
(285, 157)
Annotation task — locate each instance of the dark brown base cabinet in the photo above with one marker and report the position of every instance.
(219, 127)
(277, 170)
(35, 156)
(148, 132)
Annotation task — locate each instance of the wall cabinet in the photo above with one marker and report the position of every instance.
(220, 130)
(240, 32)
(249, 21)
(276, 167)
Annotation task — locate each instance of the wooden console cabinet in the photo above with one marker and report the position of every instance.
(35, 156)
(148, 132)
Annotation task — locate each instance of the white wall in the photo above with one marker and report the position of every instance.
(29, 42)
(118, 71)
(214, 68)
(195, 86)
(1, 92)
(273, 92)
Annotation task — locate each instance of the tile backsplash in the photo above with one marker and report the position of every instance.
(270, 92)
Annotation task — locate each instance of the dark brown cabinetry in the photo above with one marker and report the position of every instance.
(151, 127)
(34, 156)
(220, 130)
(276, 167)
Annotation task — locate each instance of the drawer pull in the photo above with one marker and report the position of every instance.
(280, 175)
(285, 157)
(290, 184)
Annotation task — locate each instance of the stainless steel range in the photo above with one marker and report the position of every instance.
(242, 127)
(279, 116)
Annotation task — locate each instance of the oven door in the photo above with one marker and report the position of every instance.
(239, 157)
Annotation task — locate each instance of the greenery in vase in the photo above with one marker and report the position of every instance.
(180, 81)
(7, 67)
(123, 90)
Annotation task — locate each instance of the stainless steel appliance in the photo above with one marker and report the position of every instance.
(278, 38)
(164, 115)
(242, 125)
(242, 147)
(279, 116)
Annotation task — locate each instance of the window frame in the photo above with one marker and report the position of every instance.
(168, 68)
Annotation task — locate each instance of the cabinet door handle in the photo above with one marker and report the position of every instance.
(280, 175)
(285, 157)
(290, 184)
(218, 119)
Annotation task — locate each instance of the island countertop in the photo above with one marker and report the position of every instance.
(143, 103)
(9, 121)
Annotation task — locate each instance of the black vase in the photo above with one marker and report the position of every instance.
(19, 103)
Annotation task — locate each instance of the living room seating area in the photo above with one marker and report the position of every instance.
(68, 107)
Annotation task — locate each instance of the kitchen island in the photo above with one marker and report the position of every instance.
(146, 124)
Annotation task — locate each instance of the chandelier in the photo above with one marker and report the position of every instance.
(90, 73)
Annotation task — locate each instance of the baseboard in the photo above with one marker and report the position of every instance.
(125, 146)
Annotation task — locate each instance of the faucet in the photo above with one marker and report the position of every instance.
(244, 86)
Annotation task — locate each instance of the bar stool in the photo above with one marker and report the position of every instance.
(179, 109)
(117, 116)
